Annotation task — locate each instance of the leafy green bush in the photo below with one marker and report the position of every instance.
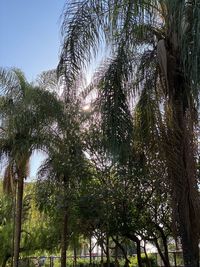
(152, 261)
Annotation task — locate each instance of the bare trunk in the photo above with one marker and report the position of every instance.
(64, 241)
(174, 254)
(185, 195)
(123, 250)
(148, 263)
(162, 255)
(18, 221)
(138, 248)
(181, 164)
(107, 250)
(164, 240)
(75, 253)
(90, 250)
(116, 252)
(139, 259)
(5, 260)
(165, 246)
(102, 255)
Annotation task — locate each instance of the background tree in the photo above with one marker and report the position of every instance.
(24, 118)
(65, 167)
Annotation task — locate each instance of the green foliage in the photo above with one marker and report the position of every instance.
(6, 226)
(151, 258)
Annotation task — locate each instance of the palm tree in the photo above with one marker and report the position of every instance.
(64, 168)
(26, 114)
(154, 47)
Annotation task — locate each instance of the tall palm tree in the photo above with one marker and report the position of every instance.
(154, 45)
(26, 114)
(64, 168)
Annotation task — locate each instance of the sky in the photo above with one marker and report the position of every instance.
(30, 34)
(30, 40)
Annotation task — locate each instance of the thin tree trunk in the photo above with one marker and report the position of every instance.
(123, 250)
(90, 250)
(116, 252)
(139, 259)
(107, 250)
(174, 254)
(164, 240)
(5, 260)
(18, 220)
(165, 246)
(102, 251)
(148, 263)
(75, 253)
(64, 238)
(162, 255)
(135, 239)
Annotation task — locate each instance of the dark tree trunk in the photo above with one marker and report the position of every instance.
(75, 253)
(5, 260)
(165, 246)
(162, 255)
(164, 241)
(107, 251)
(18, 220)
(138, 248)
(138, 252)
(148, 263)
(90, 250)
(116, 253)
(102, 254)
(64, 238)
(174, 254)
(181, 161)
(123, 250)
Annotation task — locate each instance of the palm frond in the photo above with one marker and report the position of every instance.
(81, 33)
(9, 179)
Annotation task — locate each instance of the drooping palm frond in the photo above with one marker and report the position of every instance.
(9, 179)
(65, 156)
(88, 23)
(126, 27)
(136, 23)
(190, 43)
(115, 111)
(26, 117)
(82, 33)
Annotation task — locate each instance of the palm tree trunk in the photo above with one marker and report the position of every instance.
(182, 166)
(64, 241)
(18, 220)
(185, 199)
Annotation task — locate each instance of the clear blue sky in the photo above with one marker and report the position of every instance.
(30, 39)
(30, 34)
